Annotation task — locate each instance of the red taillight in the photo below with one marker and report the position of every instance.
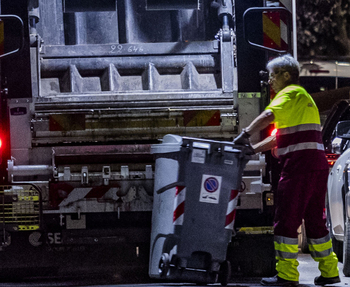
(1, 152)
(273, 132)
(270, 130)
(332, 158)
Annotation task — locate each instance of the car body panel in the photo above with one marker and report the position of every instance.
(336, 196)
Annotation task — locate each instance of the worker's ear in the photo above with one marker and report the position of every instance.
(287, 76)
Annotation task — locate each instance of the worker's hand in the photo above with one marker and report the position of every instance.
(274, 152)
(250, 150)
(242, 138)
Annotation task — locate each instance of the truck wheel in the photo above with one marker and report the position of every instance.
(225, 272)
(164, 265)
(346, 249)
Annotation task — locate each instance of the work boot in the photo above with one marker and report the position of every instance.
(320, 280)
(278, 281)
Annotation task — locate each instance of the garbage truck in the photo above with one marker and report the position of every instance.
(90, 88)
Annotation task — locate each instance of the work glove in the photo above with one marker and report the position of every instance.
(250, 150)
(242, 138)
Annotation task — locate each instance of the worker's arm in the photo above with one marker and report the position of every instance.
(265, 145)
(258, 124)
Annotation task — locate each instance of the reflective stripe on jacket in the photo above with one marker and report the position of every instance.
(300, 148)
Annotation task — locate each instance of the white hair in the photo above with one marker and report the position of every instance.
(287, 63)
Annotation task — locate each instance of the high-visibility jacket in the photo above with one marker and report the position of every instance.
(299, 138)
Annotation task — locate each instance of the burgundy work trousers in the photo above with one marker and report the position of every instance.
(301, 196)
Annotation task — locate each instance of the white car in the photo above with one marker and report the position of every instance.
(338, 196)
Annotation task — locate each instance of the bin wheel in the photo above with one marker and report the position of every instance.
(225, 272)
(164, 265)
(178, 263)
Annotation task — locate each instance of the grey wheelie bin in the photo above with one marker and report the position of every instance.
(196, 188)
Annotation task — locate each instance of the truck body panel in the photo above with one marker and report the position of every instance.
(100, 82)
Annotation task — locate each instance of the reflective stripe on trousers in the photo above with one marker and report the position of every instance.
(286, 255)
(322, 252)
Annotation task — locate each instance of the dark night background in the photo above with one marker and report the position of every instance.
(323, 29)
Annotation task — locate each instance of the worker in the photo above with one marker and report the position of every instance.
(302, 185)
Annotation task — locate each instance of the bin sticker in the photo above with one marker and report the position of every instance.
(198, 155)
(210, 189)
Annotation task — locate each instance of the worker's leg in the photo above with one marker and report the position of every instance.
(286, 250)
(322, 252)
(320, 243)
(288, 217)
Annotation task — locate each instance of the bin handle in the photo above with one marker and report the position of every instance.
(171, 185)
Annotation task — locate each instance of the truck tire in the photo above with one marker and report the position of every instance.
(346, 249)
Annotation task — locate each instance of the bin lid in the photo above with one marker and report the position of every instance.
(170, 143)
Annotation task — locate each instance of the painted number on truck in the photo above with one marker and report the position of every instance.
(118, 49)
(54, 238)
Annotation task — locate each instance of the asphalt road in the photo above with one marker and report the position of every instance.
(307, 268)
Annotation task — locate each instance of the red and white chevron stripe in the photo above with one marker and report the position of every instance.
(63, 194)
(283, 23)
(231, 210)
(179, 205)
(275, 27)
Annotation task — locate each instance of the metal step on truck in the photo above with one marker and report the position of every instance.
(87, 87)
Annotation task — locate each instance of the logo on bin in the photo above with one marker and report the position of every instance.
(211, 184)
(210, 190)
